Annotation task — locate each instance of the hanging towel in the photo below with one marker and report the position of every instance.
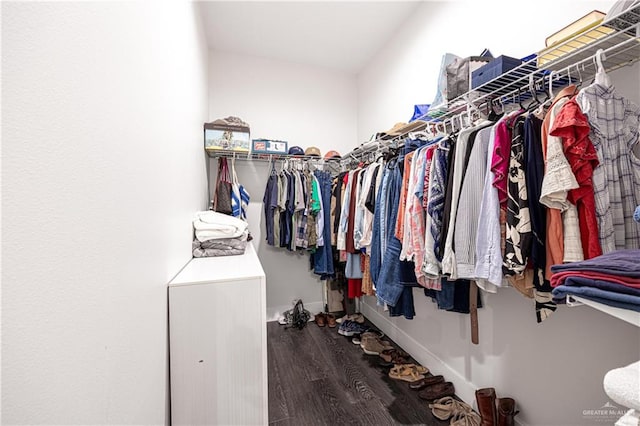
(623, 385)
(636, 214)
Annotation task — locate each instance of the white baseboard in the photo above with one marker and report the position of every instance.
(275, 312)
(464, 388)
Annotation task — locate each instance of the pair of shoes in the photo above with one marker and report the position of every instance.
(426, 382)
(460, 413)
(437, 391)
(359, 318)
(371, 344)
(351, 328)
(394, 356)
(408, 372)
(493, 410)
(323, 319)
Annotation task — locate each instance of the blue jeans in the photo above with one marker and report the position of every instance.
(377, 245)
(323, 257)
(395, 275)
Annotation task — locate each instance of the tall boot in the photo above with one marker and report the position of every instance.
(506, 411)
(486, 399)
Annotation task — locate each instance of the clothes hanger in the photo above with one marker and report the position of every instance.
(534, 93)
(601, 75)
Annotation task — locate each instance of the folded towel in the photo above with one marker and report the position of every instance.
(623, 385)
(212, 225)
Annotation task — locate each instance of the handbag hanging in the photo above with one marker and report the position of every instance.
(223, 187)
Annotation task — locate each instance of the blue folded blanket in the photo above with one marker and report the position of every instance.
(602, 285)
(620, 262)
(610, 298)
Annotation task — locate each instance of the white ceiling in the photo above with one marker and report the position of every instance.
(334, 34)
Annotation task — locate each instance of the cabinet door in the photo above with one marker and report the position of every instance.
(218, 353)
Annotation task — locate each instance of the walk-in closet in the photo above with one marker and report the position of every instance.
(321, 213)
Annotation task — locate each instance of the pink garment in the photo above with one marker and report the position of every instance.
(500, 161)
(559, 277)
(416, 224)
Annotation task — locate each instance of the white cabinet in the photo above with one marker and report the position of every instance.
(218, 342)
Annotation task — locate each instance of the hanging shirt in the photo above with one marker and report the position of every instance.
(406, 252)
(320, 213)
(563, 231)
(467, 223)
(435, 209)
(573, 127)
(518, 237)
(399, 224)
(534, 171)
(488, 268)
(557, 181)
(344, 212)
(367, 193)
(615, 123)
(464, 144)
(270, 205)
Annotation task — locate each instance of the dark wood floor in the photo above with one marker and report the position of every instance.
(318, 377)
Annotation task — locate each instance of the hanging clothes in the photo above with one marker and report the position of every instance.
(615, 123)
(572, 126)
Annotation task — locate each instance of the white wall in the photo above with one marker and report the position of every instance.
(555, 369)
(103, 166)
(301, 104)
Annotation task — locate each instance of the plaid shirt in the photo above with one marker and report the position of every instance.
(614, 123)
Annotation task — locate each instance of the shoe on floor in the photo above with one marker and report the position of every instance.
(321, 319)
(408, 372)
(437, 391)
(372, 345)
(351, 328)
(359, 318)
(427, 381)
(331, 320)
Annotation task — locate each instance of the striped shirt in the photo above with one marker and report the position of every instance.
(469, 206)
(614, 123)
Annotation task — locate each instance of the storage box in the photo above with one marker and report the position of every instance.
(575, 36)
(268, 146)
(589, 20)
(493, 69)
(227, 134)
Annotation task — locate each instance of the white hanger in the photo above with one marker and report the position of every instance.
(601, 75)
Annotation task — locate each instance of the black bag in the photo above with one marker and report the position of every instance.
(223, 187)
(298, 316)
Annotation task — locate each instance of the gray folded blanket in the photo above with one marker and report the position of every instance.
(221, 247)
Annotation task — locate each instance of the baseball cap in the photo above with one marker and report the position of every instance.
(312, 151)
(296, 150)
(332, 154)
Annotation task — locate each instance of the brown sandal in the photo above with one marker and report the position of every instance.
(408, 372)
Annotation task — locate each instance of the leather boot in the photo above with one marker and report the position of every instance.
(506, 411)
(486, 399)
